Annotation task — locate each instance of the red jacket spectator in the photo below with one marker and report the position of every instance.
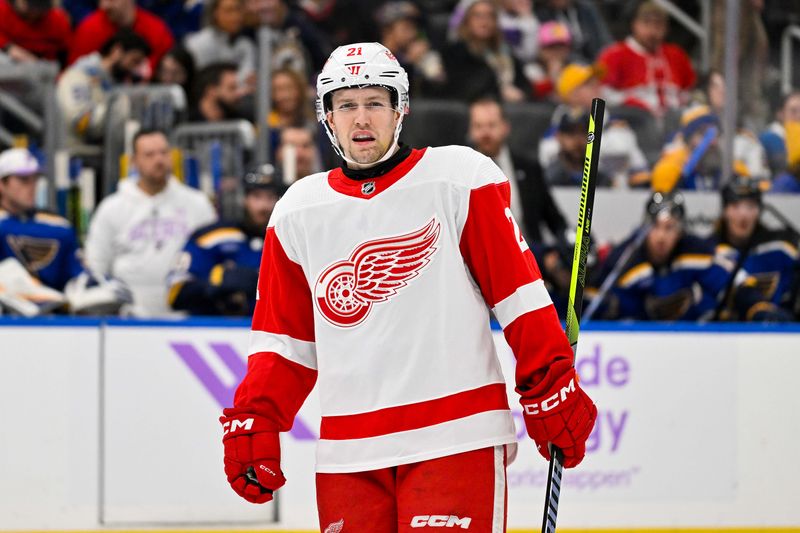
(35, 26)
(643, 70)
(101, 25)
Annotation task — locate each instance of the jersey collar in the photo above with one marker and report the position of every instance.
(370, 188)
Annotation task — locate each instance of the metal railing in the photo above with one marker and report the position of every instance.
(27, 92)
(216, 156)
(131, 108)
(787, 54)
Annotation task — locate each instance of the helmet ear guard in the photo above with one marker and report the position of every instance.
(356, 66)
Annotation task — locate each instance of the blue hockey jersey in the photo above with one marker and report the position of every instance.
(217, 271)
(764, 280)
(44, 243)
(685, 288)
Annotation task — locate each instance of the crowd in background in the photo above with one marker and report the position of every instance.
(155, 247)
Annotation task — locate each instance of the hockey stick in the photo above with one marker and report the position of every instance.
(577, 282)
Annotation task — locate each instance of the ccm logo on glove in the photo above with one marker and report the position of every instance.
(550, 402)
(233, 425)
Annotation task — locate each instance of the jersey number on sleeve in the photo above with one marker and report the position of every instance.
(523, 246)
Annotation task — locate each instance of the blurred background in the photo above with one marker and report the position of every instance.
(144, 144)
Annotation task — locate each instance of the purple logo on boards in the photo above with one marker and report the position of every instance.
(222, 393)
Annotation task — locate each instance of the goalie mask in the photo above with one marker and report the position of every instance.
(356, 66)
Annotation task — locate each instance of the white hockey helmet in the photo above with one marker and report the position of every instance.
(362, 65)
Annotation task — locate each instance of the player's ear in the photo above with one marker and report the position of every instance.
(329, 119)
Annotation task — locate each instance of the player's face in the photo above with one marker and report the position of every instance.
(487, 128)
(151, 155)
(18, 193)
(662, 239)
(741, 218)
(259, 205)
(364, 123)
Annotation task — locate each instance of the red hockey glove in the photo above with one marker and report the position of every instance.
(252, 456)
(563, 415)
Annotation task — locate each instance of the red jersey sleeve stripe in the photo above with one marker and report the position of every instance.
(527, 298)
(284, 305)
(300, 352)
(415, 416)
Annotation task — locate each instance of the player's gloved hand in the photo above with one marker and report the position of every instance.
(229, 279)
(563, 415)
(252, 455)
(768, 313)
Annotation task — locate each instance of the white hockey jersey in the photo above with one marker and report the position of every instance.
(380, 290)
(135, 237)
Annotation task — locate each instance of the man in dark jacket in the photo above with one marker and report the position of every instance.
(532, 205)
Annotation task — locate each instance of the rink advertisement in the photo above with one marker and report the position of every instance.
(689, 421)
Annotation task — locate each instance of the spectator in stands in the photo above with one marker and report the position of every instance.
(399, 23)
(297, 154)
(294, 37)
(761, 262)
(693, 159)
(711, 89)
(217, 272)
(672, 275)
(752, 54)
(137, 232)
(291, 105)
(44, 246)
(586, 25)
(113, 15)
(44, 243)
(643, 70)
(34, 29)
(520, 29)
(532, 205)
(566, 168)
(176, 67)
(83, 89)
(344, 21)
(774, 136)
(788, 181)
(478, 61)
(554, 51)
(215, 95)
(621, 159)
(222, 40)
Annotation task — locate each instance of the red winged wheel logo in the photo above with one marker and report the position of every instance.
(374, 272)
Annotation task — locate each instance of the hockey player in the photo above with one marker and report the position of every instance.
(217, 272)
(44, 243)
(376, 280)
(672, 275)
(46, 246)
(762, 261)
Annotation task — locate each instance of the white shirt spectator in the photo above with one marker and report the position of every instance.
(135, 237)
